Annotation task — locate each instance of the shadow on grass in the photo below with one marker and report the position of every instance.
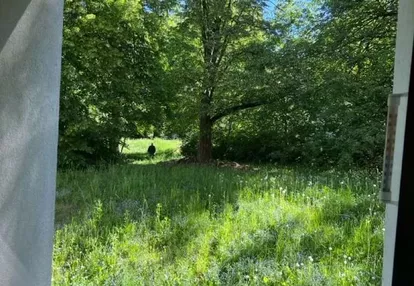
(164, 155)
(139, 188)
(159, 199)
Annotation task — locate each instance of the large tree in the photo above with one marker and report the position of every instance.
(335, 66)
(224, 31)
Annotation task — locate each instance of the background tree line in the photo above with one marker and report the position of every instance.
(284, 81)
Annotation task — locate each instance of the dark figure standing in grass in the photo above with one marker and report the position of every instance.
(151, 150)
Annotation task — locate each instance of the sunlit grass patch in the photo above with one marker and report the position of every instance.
(135, 150)
(194, 225)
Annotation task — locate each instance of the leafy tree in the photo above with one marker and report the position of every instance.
(306, 82)
(330, 72)
(111, 79)
(220, 34)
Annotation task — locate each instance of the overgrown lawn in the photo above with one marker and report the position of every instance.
(154, 224)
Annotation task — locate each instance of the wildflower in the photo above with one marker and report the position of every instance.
(310, 258)
(330, 248)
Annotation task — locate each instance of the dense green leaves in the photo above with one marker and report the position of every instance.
(295, 82)
(329, 81)
(111, 79)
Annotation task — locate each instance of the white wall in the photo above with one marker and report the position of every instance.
(30, 59)
(402, 69)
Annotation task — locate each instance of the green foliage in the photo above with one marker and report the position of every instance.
(189, 146)
(111, 79)
(194, 225)
(306, 83)
(328, 82)
(217, 39)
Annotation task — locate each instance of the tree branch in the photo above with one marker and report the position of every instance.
(236, 108)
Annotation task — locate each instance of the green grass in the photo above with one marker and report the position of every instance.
(136, 150)
(152, 224)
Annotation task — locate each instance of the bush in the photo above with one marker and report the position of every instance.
(189, 145)
(269, 147)
(87, 148)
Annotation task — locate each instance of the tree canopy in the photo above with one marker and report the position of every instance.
(286, 81)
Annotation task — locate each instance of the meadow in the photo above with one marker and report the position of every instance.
(147, 222)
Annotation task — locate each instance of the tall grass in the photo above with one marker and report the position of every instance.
(190, 225)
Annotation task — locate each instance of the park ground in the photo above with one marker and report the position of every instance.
(149, 222)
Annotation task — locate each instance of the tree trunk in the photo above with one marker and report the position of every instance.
(205, 144)
(113, 148)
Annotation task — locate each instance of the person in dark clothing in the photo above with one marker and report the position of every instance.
(151, 150)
